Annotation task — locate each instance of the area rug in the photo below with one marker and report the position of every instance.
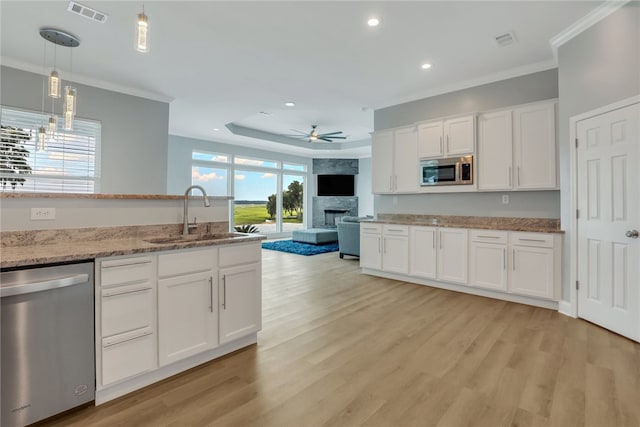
(299, 247)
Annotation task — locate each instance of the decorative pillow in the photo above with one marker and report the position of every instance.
(350, 219)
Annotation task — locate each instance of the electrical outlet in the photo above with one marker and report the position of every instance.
(505, 199)
(43, 214)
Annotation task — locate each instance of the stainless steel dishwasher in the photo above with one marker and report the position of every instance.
(47, 342)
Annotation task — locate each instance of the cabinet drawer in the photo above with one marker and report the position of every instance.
(239, 254)
(125, 270)
(370, 228)
(186, 262)
(541, 240)
(125, 308)
(398, 230)
(489, 236)
(127, 355)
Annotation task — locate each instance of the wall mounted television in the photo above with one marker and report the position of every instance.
(336, 185)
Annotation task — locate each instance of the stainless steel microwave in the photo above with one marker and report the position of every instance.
(450, 171)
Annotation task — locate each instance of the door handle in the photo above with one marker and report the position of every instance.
(224, 292)
(632, 234)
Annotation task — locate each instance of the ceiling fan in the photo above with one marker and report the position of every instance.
(314, 136)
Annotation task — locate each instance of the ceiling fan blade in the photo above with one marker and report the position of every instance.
(334, 137)
(331, 133)
(299, 131)
(321, 138)
(291, 135)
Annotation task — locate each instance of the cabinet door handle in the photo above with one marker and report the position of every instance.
(518, 176)
(433, 241)
(504, 258)
(211, 293)
(224, 292)
(384, 245)
(440, 240)
(447, 143)
(440, 143)
(379, 245)
(513, 259)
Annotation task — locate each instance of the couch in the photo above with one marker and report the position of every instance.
(349, 235)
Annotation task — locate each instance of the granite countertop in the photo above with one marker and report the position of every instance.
(29, 248)
(536, 225)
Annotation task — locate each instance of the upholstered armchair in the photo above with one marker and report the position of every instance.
(349, 236)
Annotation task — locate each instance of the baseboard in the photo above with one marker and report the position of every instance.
(564, 307)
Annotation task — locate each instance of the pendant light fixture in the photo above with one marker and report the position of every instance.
(41, 145)
(142, 32)
(62, 38)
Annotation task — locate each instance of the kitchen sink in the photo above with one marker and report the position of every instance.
(195, 238)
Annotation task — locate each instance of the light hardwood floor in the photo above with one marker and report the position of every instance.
(339, 348)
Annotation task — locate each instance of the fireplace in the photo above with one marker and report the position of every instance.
(331, 216)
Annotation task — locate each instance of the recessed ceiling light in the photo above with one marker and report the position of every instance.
(425, 66)
(373, 22)
(290, 104)
(216, 129)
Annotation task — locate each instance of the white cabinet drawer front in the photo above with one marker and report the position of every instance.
(127, 355)
(126, 308)
(370, 228)
(542, 240)
(489, 236)
(239, 254)
(399, 230)
(185, 262)
(126, 270)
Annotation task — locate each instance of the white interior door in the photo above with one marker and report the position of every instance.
(608, 201)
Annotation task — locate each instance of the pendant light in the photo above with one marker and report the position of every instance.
(62, 38)
(142, 31)
(41, 145)
(69, 104)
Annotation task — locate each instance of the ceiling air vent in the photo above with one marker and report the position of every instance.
(87, 12)
(505, 39)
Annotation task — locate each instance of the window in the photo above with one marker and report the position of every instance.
(268, 195)
(69, 163)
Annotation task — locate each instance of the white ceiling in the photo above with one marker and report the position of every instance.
(224, 62)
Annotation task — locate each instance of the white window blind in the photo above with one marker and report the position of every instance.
(69, 164)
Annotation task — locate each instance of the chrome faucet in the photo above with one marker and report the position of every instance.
(185, 225)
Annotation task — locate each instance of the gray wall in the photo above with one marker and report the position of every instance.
(596, 68)
(518, 90)
(134, 130)
(363, 188)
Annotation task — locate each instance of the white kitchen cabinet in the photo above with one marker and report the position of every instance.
(534, 268)
(517, 149)
(534, 147)
(495, 151)
(240, 291)
(382, 175)
(187, 304)
(422, 252)
(452, 255)
(370, 246)
(405, 161)
(395, 248)
(125, 325)
(395, 161)
(447, 138)
(488, 259)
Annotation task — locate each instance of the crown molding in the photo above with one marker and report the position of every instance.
(89, 81)
(584, 23)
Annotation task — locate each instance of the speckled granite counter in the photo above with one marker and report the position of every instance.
(28, 248)
(539, 225)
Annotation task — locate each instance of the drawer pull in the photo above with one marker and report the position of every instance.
(533, 240)
(113, 294)
(395, 230)
(125, 264)
(488, 237)
(116, 342)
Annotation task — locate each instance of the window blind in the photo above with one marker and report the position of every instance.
(69, 164)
